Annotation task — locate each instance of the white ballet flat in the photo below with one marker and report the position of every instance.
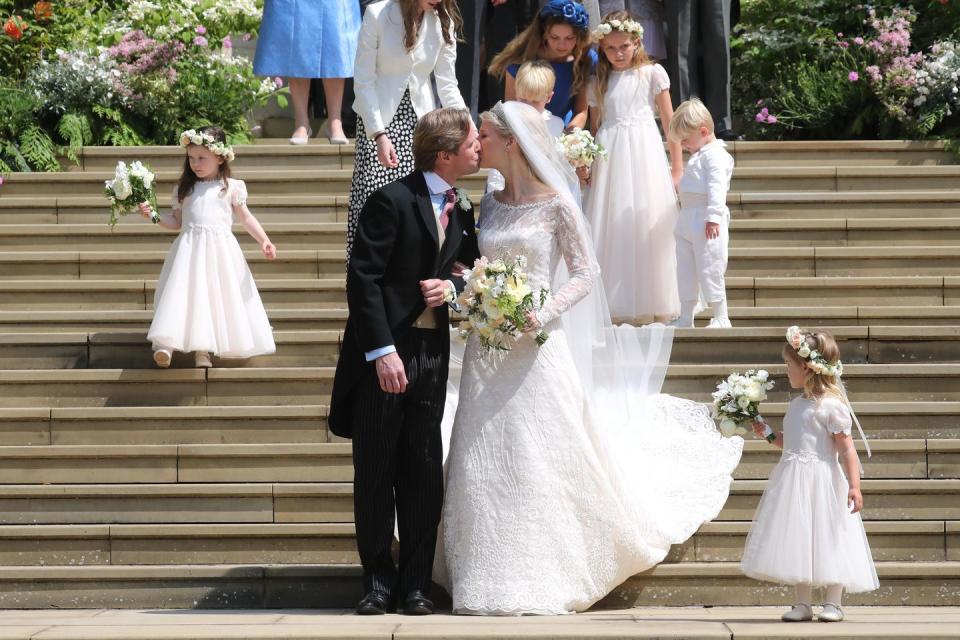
(202, 359)
(301, 141)
(801, 612)
(719, 323)
(831, 613)
(162, 358)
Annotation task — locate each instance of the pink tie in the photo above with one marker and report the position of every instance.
(450, 197)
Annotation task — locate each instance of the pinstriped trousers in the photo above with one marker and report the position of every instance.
(398, 464)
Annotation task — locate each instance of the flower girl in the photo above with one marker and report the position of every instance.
(631, 204)
(206, 300)
(807, 530)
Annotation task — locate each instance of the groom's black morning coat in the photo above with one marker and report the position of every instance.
(394, 249)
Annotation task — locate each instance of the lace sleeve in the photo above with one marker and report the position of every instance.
(834, 416)
(175, 203)
(238, 193)
(574, 247)
(660, 81)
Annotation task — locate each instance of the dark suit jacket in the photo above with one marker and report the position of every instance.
(394, 249)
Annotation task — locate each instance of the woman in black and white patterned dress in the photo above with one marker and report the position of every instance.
(402, 42)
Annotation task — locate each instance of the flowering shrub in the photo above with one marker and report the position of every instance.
(831, 69)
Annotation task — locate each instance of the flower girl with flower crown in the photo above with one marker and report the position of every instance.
(631, 205)
(206, 300)
(807, 530)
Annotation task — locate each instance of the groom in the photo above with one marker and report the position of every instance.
(390, 385)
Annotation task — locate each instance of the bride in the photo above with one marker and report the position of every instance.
(567, 472)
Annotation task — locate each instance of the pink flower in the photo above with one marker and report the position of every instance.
(247, 37)
(858, 40)
(853, 76)
(278, 81)
(201, 29)
(1, 179)
(843, 44)
(200, 41)
(227, 43)
(772, 120)
(760, 117)
(839, 35)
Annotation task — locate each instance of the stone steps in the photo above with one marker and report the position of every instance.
(337, 181)
(870, 261)
(335, 543)
(268, 585)
(936, 459)
(774, 205)
(331, 502)
(129, 349)
(311, 385)
(272, 424)
(329, 293)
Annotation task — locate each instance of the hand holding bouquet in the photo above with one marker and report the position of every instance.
(580, 149)
(737, 402)
(130, 187)
(497, 300)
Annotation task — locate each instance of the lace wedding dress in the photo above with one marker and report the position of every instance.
(548, 507)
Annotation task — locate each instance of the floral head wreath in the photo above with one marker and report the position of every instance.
(192, 136)
(797, 338)
(626, 26)
(571, 12)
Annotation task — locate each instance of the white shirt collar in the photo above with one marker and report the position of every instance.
(435, 183)
(716, 144)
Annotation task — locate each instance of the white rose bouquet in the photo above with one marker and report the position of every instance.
(496, 299)
(130, 186)
(737, 402)
(580, 149)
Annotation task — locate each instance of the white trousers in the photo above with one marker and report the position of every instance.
(701, 263)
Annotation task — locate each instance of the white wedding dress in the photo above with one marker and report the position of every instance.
(548, 507)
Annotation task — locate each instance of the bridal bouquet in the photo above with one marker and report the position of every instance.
(496, 299)
(579, 148)
(737, 402)
(130, 186)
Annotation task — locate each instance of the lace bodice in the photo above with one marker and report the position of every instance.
(631, 94)
(209, 207)
(543, 232)
(809, 427)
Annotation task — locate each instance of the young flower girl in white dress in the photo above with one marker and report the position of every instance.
(807, 529)
(632, 206)
(206, 300)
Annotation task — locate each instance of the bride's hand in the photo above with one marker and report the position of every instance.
(533, 322)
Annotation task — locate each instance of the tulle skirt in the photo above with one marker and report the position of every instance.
(206, 299)
(803, 532)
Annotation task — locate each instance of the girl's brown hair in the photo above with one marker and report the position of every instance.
(188, 179)
(817, 385)
(604, 67)
(449, 16)
(526, 47)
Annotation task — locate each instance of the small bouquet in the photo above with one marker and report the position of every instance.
(580, 149)
(737, 402)
(496, 299)
(130, 186)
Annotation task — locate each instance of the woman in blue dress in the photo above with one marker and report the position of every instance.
(559, 34)
(304, 39)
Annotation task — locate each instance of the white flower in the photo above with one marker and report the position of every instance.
(728, 427)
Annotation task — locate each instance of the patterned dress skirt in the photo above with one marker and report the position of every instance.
(368, 174)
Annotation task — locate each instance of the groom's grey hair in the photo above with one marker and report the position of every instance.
(438, 131)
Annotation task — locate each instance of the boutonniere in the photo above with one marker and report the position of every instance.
(463, 201)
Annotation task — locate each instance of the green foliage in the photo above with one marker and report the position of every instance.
(75, 129)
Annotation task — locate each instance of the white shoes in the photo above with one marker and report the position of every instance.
(719, 323)
(202, 359)
(831, 613)
(325, 133)
(680, 324)
(801, 612)
(297, 140)
(162, 358)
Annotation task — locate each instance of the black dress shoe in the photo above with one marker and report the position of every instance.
(729, 135)
(374, 603)
(417, 604)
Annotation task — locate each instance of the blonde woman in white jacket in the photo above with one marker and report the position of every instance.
(402, 42)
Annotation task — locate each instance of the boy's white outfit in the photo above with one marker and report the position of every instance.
(495, 181)
(701, 263)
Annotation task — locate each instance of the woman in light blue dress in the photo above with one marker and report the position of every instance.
(304, 39)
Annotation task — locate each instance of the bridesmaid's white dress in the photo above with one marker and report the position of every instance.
(546, 512)
(206, 299)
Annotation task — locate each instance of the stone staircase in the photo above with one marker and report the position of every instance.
(126, 486)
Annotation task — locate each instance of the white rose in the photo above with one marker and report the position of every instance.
(728, 427)
(743, 402)
(755, 392)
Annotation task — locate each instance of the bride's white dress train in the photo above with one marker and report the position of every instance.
(552, 498)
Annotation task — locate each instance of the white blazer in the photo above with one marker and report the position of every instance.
(384, 69)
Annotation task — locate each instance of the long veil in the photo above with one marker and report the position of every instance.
(619, 366)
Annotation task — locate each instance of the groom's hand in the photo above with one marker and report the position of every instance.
(434, 292)
(390, 372)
